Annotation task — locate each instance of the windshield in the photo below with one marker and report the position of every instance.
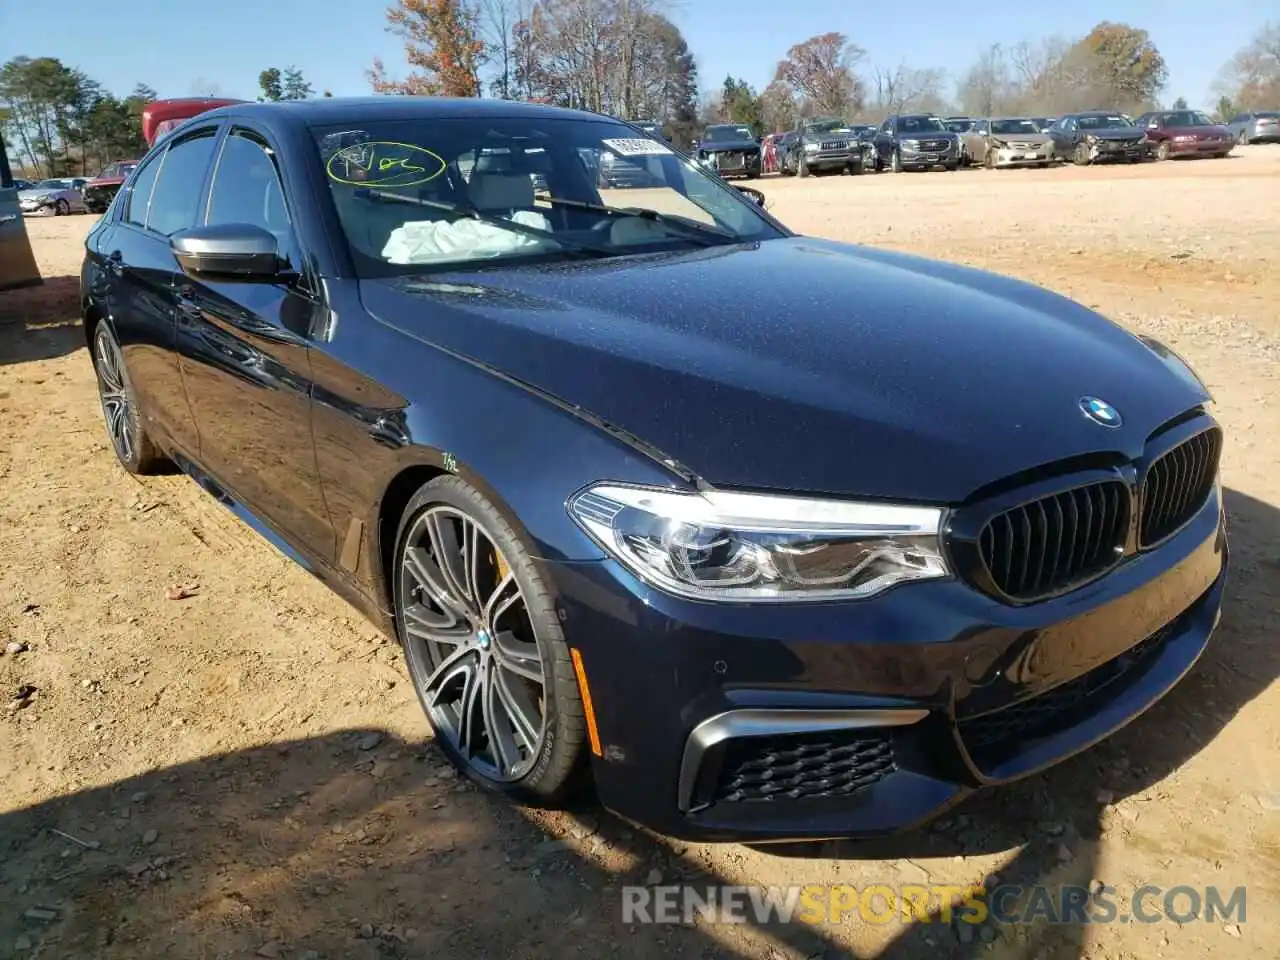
(830, 125)
(1267, 115)
(1103, 122)
(727, 132)
(415, 194)
(116, 170)
(53, 185)
(960, 126)
(920, 125)
(1006, 127)
(1187, 118)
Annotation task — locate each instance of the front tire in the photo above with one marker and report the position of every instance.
(484, 647)
(1162, 151)
(895, 162)
(133, 447)
(1081, 155)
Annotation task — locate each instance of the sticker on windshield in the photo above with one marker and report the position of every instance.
(383, 163)
(637, 147)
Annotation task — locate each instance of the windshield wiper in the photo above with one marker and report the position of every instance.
(472, 213)
(696, 232)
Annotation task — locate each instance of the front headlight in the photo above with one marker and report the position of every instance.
(811, 148)
(911, 144)
(748, 547)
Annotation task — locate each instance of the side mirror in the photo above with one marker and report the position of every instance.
(755, 196)
(239, 251)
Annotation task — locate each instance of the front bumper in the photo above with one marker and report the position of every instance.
(733, 164)
(1022, 157)
(1199, 148)
(1104, 150)
(807, 721)
(98, 198)
(929, 158)
(820, 160)
(32, 209)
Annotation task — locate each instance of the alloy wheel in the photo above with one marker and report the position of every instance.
(61, 208)
(471, 644)
(117, 407)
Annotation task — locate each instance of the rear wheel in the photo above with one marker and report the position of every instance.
(484, 647)
(1242, 138)
(133, 447)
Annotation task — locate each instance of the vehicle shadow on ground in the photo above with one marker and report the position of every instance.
(361, 845)
(324, 848)
(40, 323)
(1056, 821)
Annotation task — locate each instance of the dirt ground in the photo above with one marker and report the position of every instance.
(246, 772)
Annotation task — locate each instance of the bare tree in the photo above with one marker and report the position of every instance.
(984, 89)
(497, 23)
(1250, 80)
(821, 70)
(905, 89)
(611, 56)
(200, 87)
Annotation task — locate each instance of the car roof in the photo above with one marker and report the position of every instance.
(323, 111)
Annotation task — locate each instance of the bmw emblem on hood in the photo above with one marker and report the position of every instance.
(1100, 412)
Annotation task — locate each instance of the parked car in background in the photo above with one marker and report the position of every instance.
(959, 124)
(1097, 136)
(916, 141)
(730, 149)
(101, 190)
(761, 536)
(824, 145)
(1014, 142)
(1184, 133)
(653, 128)
(53, 198)
(1255, 126)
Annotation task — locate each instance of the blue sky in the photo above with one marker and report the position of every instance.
(333, 42)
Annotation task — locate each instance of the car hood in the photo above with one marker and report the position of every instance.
(714, 145)
(32, 192)
(805, 364)
(1039, 139)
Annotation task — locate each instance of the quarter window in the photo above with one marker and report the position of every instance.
(140, 193)
(175, 202)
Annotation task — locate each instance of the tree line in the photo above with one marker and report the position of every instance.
(629, 59)
(57, 121)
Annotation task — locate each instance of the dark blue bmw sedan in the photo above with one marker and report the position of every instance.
(769, 536)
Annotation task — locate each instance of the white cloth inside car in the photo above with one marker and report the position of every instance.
(431, 241)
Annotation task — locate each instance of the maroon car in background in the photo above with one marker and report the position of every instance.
(1185, 133)
(100, 190)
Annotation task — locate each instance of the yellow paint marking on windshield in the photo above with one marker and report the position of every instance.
(384, 163)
